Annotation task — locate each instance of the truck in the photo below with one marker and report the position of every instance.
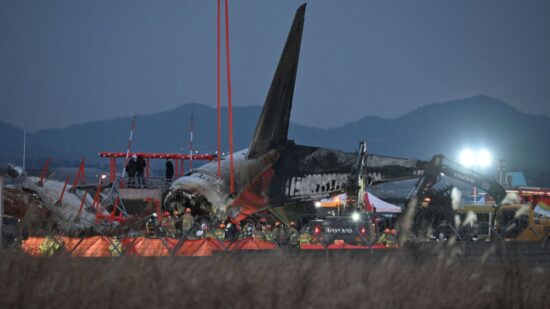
(351, 222)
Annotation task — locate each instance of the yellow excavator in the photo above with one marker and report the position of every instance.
(519, 222)
(505, 218)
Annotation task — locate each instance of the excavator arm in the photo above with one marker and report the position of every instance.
(357, 179)
(370, 169)
(436, 168)
(486, 183)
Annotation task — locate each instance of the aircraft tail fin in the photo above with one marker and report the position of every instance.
(272, 127)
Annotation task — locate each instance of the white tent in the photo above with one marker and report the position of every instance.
(379, 205)
(370, 201)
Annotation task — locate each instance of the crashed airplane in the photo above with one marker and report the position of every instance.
(274, 173)
(72, 210)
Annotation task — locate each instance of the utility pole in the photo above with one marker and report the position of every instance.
(501, 168)
(24, 147)
(1, 209)
(191, 144)
(129, 145)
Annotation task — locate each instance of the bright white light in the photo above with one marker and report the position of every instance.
(317, 204)
(355, 216)
(467, 158)
(103, 176)
(483, 158)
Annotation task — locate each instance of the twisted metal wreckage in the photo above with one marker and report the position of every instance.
(273, 174)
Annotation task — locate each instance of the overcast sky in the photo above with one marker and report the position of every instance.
(65, 62)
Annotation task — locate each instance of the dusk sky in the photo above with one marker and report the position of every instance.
(69, 61)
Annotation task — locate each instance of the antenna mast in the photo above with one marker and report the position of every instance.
(24, 147)
(129, 145)
(191, 144)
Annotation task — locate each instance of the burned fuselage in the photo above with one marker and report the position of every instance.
(285, 176)
(274, 171)
(205, 192)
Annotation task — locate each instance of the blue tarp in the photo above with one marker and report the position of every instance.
(516, 179)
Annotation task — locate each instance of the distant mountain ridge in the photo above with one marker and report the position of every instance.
(447, 127)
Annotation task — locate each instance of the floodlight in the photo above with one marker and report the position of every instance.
(467, 158)
(483, 158)
(355, 216)
(317, 204)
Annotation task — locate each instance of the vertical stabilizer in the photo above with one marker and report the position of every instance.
(272, 127)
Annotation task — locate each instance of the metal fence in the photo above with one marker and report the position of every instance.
(531, 253)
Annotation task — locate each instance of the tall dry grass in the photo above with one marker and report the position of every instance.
(266, 281)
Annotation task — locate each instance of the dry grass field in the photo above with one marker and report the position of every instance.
(267, 281)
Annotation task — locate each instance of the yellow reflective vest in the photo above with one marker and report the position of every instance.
(305, 238)
(116, 248)
(49, 246)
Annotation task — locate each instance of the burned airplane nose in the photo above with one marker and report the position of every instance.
(198, 192)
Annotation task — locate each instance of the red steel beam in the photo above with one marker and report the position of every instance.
(44, 171)
(145, 155)
(82, 204)
(79, 173)
(117, 218)
(60, 201)
(115, 206)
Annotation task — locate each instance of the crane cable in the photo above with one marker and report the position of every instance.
(218, 93)
(229, 101)
(229, 98)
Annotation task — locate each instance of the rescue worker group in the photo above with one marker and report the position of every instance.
(182, 224)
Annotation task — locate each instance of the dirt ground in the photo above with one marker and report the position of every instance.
(266, 281)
